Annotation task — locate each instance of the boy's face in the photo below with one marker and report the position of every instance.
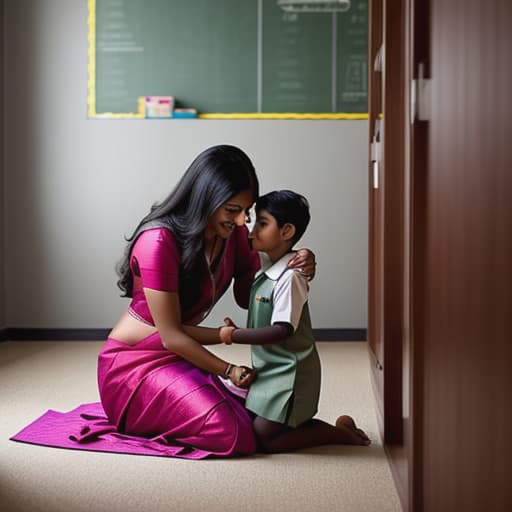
(266, 235)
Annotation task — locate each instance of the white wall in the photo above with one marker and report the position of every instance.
(75, 186)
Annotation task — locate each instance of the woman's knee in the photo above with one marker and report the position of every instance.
(228, 432)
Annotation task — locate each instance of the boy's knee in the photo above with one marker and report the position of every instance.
(266, 433)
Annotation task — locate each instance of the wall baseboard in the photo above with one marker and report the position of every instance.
(339, 334)
(34, 334)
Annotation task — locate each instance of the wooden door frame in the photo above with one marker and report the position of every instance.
(388, 256)
(389, 199)
(419, 52)
(375, 313)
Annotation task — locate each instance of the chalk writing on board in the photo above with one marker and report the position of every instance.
(227, 56)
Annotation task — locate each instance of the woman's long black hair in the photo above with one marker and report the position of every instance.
(216, 175)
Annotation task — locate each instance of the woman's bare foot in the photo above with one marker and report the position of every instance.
(346, 422)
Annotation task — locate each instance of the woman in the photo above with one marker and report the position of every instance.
(155, 379)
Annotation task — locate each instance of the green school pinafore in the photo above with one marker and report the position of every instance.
(287, 386)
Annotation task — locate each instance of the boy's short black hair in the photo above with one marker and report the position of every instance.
(286, 206)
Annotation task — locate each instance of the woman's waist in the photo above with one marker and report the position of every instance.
(130, 330)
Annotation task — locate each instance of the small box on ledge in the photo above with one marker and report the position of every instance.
(159, 107)
(184, 113)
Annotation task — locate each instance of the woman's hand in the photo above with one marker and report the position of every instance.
(304, 260)
(242, 376)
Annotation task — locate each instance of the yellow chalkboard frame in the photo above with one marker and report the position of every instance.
(140, 114)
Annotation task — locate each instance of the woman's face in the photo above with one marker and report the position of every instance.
(232, 213)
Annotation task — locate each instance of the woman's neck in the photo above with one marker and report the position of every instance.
(212, 248)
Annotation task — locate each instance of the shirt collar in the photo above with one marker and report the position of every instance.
(274, 270)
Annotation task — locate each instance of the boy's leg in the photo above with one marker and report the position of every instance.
(275, 437)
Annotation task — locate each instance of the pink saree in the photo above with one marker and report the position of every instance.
(153, 402)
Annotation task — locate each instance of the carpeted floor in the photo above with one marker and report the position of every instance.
(37, 376)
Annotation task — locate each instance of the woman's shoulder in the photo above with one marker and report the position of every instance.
(241, 233)
(156, 233)
(239, 239)
(156, 237)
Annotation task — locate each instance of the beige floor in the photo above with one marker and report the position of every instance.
(36, 376)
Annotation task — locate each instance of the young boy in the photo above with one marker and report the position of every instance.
(284, 396)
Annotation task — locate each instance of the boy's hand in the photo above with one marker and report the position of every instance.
(225, 334)
(226, 331)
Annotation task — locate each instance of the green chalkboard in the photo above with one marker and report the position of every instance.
(226, 56)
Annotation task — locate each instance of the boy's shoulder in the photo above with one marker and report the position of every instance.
(283, 276)
(274, 270)
(294, 276)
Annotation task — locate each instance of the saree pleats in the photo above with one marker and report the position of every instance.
(150, 392)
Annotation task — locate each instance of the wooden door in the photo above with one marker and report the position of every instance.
(462, 279)
(442, 213)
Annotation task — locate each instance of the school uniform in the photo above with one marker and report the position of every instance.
(287, 386)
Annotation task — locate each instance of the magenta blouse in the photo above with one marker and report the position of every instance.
(155, 263)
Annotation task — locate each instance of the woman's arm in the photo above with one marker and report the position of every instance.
(165, 310)
(247, 263)
(304, 260)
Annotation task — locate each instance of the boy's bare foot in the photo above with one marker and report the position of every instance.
(346, 422)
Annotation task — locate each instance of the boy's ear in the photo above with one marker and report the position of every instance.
(288, 231)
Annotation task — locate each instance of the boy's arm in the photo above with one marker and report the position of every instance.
(204, 335)
(290, 295)
(260, 335)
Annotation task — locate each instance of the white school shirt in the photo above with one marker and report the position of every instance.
(290, 291)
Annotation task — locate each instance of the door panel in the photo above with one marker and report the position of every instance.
(467, 234)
